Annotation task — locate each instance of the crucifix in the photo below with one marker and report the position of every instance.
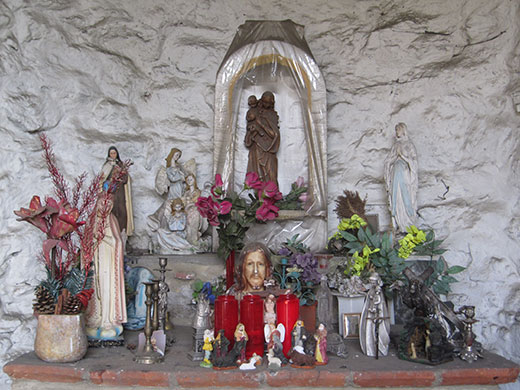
(421, 297)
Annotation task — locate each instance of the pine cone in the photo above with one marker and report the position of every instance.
(44, 302)
(72, 305)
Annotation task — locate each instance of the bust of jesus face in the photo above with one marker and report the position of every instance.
(254, 271)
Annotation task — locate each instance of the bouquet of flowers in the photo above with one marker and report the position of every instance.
(74, 224)
(232, 214)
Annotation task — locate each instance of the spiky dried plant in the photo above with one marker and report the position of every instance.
(350, 203)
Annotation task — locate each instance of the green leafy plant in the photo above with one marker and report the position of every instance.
(369, 251)
(441, 278)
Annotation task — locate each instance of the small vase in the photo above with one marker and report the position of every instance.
(60, 338)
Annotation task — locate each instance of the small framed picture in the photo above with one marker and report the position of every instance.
(351, 325)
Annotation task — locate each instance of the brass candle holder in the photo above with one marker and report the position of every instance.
(155, 321)
(148, 355)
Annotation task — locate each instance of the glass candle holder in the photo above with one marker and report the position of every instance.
(226, 316)
(287, 312)
(252, 316)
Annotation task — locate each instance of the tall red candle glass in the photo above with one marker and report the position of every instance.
(252, 316)
(226, 316)
(287, 313)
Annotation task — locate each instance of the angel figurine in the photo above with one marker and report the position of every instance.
(178, 182)
(275, 336)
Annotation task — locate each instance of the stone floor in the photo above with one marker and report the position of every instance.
(114, 368)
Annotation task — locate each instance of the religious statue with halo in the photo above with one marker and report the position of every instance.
(106, 312)
(401, 180)
(177, 226)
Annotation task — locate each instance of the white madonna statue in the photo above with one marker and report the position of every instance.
(401, 180)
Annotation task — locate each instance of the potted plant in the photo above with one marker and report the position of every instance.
(297, 269)
(74, 224)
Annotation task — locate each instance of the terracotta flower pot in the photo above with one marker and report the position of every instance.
(60, 338)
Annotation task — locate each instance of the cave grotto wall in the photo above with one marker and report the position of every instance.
(141, 74)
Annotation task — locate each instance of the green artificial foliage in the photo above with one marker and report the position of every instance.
(440, 280)
(52, 285)
(76, 280)
(367, 252)
(292, 201)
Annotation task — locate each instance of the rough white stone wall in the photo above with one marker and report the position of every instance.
(140, 75)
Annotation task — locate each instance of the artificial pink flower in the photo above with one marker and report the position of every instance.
(225, 207)
(270, 190)
(216, 189)
(218, 180)
(208, 209)
(300, 182)
(304, 197)
(253, 181)
(267, 211)
(204, 204)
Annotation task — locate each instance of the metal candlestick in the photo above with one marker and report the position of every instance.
(148, 355)
(469, 353)
(164, 322)
(155, 321)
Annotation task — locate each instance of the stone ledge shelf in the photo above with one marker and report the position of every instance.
(111, 368)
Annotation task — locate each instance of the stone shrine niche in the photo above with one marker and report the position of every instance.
(274, 56)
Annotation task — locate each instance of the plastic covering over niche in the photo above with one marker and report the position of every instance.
(274, 56)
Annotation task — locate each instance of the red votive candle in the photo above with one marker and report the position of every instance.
(252, 316)
(226, 316)
(287, 313)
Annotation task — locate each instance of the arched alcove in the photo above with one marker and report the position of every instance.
(273, 56)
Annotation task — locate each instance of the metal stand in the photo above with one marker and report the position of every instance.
(468, 352)
(149, 355)
(164, 321)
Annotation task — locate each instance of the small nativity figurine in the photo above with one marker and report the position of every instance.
(221, 344)
(321, 345)
(401, 179)
(254, 361)
(241, 339)
(207, 347)
(275, 339)
(374, 326)
(299, 334)
(270, 310)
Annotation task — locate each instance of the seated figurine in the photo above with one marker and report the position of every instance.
(221, 344)
(172, 237)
